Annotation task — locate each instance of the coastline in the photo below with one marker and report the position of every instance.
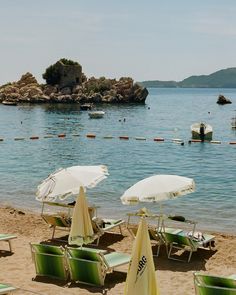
(173, 277)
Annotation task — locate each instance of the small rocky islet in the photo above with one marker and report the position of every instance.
(66, 83)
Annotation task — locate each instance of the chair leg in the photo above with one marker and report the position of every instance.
(169, 253)
(190, 255)
(158, 250)
(10, 247)
(97, 241)
(53, 232)
(120, 230)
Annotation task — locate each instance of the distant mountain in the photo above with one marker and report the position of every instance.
(221, 79)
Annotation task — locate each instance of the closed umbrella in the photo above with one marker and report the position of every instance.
(141, 277)
(81, 231)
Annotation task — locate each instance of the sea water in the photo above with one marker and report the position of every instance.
(168, 113)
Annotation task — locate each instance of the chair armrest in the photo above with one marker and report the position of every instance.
(115, 259)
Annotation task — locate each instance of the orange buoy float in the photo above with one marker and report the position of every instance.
(61, 135)
(158, 139)
(34, 137)
(232, 142)
(90, 135)
(124, 137)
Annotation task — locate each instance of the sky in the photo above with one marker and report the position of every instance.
(145, 40)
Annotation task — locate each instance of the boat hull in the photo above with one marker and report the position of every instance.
(96, 114)
(202, 131)
(207, 136)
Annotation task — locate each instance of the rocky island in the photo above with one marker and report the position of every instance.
(66, 83)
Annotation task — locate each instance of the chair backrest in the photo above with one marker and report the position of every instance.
(86, 266)
(49, 261)
(178, 239)
(213, 285)
(154, 235)
(57, 220)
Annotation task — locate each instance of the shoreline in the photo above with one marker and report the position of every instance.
(102, 211)
(173, 277)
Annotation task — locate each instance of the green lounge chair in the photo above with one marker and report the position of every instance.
(180, 240)
(90, 266)
(155, 237)
(7, 238)
(154, 234)
(49, 261)
(57, 222)
(102, 225)
(214, 285)
(6, 289)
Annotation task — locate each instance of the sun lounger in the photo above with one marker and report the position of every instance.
(181, 240)
(214, 285)
(57, 222)
(7, 238)
(90, 266)
(49, 261)
(155, 237)
(102, 225)
(6, 289)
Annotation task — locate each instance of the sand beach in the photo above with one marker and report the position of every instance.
(174, 277)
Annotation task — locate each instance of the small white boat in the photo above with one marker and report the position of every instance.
(96, 114)
(201, 131)
(9, 103)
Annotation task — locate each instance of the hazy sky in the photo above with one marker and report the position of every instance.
(147, 40)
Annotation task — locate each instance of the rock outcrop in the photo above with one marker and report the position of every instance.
(223, 100)
(91, 90)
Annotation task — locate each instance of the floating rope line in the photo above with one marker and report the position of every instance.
(121, 137)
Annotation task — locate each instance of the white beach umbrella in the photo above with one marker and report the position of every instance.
(67, 181)
(141, 277)
(158, 188)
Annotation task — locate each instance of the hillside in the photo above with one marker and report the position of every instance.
(221, 79)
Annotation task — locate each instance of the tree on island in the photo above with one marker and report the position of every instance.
(53, 73)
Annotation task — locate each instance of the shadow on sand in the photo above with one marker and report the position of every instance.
(197, 262)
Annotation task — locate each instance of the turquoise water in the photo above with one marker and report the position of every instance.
(168, 113)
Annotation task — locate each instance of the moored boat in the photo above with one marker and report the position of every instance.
(201, 131)
(96, 114)
(9, 102)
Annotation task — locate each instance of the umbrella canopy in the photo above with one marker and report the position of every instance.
(81, 228)
(68, 181)
(141, 277)
(158, 188)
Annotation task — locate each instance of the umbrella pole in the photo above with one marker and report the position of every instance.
(161, 226)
